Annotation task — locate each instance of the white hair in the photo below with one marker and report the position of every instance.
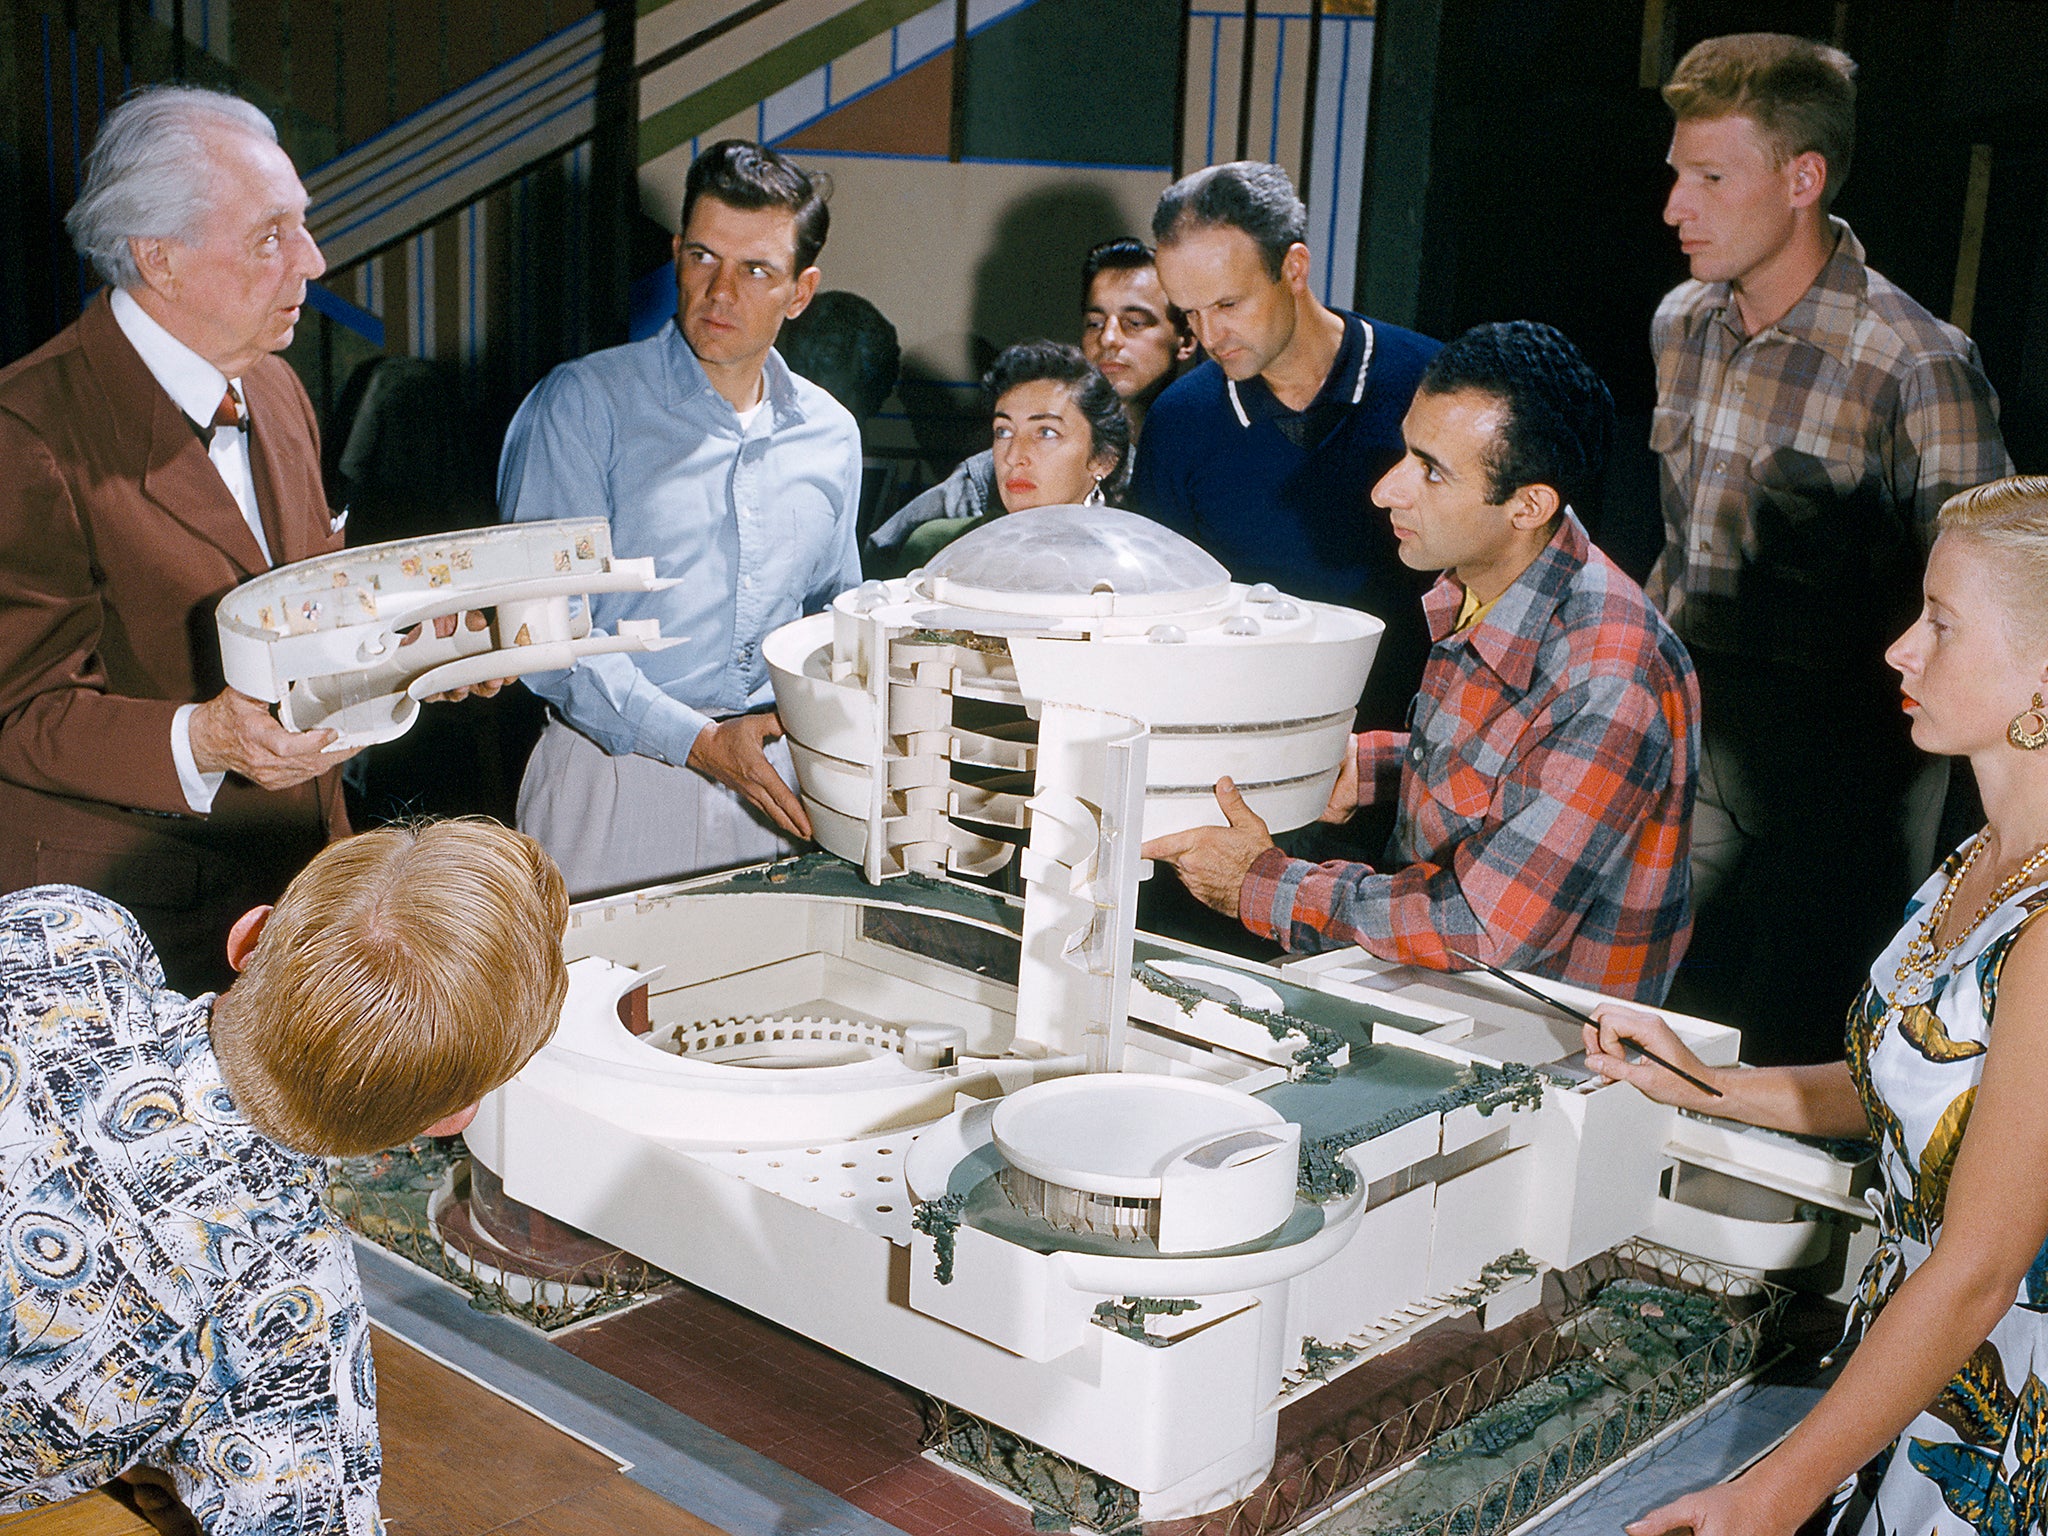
(149, 176)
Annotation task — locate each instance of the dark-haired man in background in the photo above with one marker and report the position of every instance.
(1129, 329)
(1547, 780)
(707, 453)
(1812, 418)
(1265, 453)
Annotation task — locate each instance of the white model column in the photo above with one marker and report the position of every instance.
(1081, 873)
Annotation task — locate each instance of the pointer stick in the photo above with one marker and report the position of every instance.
(1584, 1018)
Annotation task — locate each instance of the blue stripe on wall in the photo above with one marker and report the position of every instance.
(352, 316)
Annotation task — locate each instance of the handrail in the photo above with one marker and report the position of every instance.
(695, 42)
(702, 37)
(532, 106)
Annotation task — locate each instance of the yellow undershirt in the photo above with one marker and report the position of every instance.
(1470, 612)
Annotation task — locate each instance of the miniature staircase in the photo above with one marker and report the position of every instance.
(419, 170)
(1504, 1286)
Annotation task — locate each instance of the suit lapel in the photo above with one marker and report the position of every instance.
(264, 473)
(177, 475)
(181, 479)
(284, 464)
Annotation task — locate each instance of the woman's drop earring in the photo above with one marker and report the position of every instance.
(2029, 728)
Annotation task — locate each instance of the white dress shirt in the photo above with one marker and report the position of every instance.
(195, 387)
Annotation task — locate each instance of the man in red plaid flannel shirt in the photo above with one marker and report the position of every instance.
(1546, 781)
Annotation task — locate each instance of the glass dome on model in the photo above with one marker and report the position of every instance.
(1074, 560)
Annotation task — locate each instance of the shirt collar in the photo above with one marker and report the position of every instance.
(687, 379)
(1343, 384)
(1825, 315)
(780, 385)
(1510, 634)
(194, 385)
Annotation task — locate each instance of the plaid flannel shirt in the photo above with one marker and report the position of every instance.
(1802, 467)
(1546, 789)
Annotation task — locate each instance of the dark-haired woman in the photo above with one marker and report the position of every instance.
(1061, 439)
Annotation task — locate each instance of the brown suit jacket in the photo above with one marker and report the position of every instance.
(117, 539)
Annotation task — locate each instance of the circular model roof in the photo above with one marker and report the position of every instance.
(1079, 560)
(1116, 1133)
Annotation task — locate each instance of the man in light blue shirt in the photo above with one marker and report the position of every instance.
(739, 478)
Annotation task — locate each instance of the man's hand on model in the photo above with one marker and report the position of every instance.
(1344, 793)
(730, 752)
(1213, 861)
(234, 733)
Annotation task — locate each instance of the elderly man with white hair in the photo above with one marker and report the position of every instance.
(153, 455)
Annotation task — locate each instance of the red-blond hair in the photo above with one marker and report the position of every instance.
(405, 973)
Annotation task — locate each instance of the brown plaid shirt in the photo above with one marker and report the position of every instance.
(1803, 466)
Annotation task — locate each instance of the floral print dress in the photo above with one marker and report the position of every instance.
(1977, 1458)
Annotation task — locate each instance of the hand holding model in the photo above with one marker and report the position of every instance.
(1344, 793)
(1213, 861)
(234, 733)
(444, 627)
(730, 752)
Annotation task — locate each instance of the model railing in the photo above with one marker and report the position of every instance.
(1477, 1412)
(420, 1202)
(1547, 1474)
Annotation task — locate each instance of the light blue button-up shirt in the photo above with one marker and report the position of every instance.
(758, 521)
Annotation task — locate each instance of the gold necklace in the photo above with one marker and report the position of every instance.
(1921, 958)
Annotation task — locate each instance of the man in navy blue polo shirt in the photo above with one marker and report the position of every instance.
(1265, 454)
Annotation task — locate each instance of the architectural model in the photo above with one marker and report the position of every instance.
(929, 1100)
(326, 639)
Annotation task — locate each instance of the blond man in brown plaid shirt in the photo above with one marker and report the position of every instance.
(1811, 419)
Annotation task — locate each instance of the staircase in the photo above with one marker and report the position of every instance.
(331, 74)
(780, 73)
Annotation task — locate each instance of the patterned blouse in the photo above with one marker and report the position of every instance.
(172, 1291)
(1977, 1459)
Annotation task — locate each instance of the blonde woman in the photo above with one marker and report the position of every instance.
(1942, 1405)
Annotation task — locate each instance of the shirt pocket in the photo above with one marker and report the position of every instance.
(1819, 515)
(1802, 484)
(809, 518)
(1448, 775)
(1836, 569)
(1462, 791)
(806, 527)
(1671, 440)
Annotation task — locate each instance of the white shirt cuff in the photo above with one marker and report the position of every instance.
(199, 788)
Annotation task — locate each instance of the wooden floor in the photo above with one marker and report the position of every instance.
(458, 1461)
(97, 1514)
(850, 1430)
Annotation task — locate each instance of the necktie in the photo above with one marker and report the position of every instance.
(227, 414)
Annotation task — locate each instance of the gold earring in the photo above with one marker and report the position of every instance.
(2029, 728)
